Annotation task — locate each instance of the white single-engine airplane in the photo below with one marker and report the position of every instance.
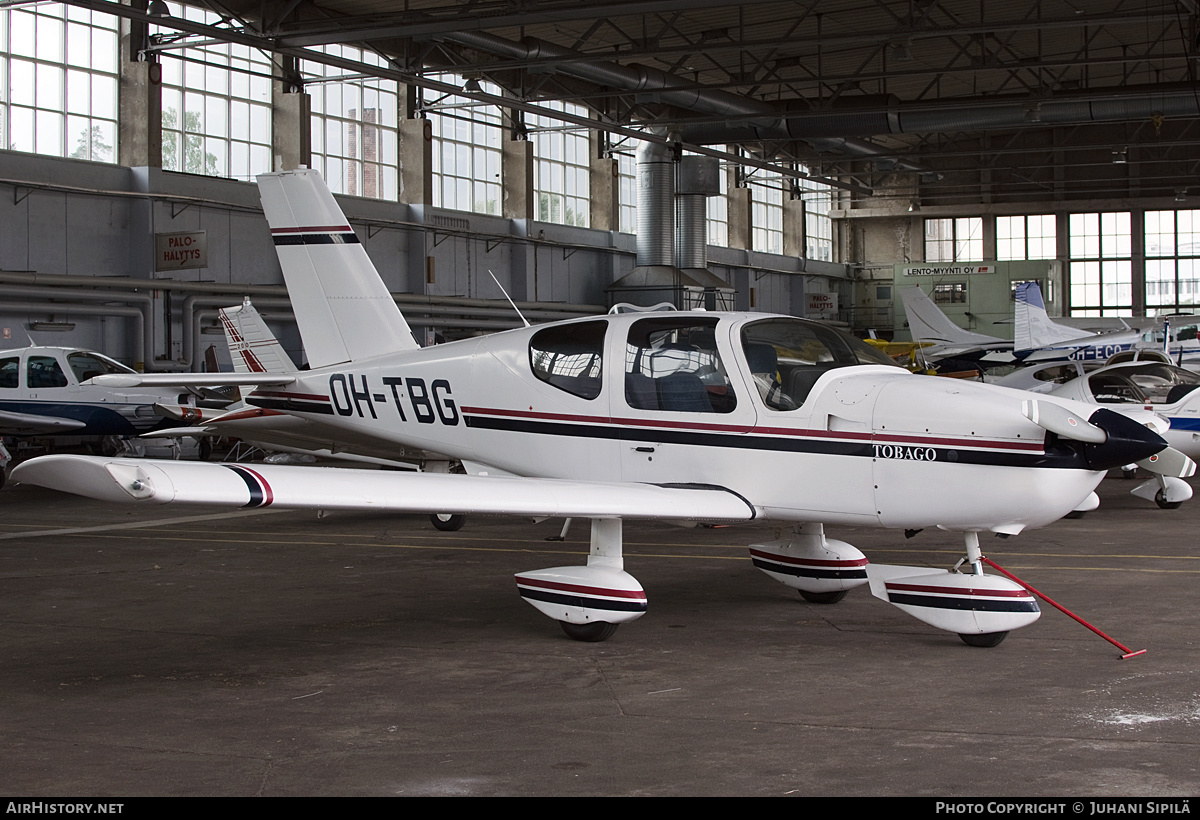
(689, 416)
(1170, 392)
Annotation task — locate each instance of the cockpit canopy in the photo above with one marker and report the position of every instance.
(673, 362)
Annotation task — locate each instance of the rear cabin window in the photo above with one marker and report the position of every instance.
(570, 357)
(673, 365)
(10, 369)
(44, 371)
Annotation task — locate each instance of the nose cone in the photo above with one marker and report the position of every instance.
(1128, 441)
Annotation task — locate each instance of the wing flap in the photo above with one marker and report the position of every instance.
(260, 485)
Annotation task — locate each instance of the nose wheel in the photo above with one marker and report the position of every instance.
(589, 633)
(986, 639)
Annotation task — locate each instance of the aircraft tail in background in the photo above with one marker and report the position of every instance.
(252, 346)
(928, 323)
(1034, 328)
(343, 308)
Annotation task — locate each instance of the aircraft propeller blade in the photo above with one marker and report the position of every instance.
(1061, 421)
(1169, 462)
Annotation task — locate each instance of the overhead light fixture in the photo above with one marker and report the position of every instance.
(58, 327)
(902, 51)
(158, 9)
(1181, 194)
(472, 85)
(914, 206)
(1033, 113)
(1119, 157)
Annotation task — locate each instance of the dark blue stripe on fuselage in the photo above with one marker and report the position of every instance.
(967, 604)
(99, 421)
(1060, 457)
(316, 239)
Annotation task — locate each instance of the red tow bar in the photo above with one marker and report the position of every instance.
(1129, 653)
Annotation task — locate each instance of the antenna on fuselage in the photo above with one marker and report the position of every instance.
(509, 298)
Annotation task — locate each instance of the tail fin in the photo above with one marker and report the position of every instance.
(344, 311)
(928, 323)
(1033, 326)
(252, 346)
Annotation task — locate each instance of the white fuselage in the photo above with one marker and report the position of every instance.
(863, 446)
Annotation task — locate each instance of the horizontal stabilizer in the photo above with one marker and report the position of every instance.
(261, 485)
(189, 379)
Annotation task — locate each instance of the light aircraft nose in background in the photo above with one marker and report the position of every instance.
(50, 390)
(688, 416)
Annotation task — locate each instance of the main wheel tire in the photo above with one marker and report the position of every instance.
(1160, 499)
(823, 597)
(986, 639)
(448, 522)
(593, 632)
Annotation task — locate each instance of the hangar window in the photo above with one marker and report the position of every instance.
(216, 105)
(355, 130)
(1101, 269)
(950, 293)
(766, 212)
(954, 240)
(570, 357)
(1026, 237)
(58, 81)
(466, 149)
(672, 364)
(562, 167)
(818, 225)
(1173, 260)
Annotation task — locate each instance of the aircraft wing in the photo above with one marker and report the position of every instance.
(28, 424)
(328, 488)
(189, 379)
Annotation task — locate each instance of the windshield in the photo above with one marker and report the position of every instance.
(1148, 383)
(787, 356)
(86, 364)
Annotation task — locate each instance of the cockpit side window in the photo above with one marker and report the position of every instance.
(10, 370)
(672, 364)
(44, 371)
(787, 356)
(570, 357)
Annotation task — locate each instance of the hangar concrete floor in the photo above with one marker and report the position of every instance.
(193, 651)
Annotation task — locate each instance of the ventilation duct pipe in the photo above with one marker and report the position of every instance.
(698, 180)
(655, 204)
